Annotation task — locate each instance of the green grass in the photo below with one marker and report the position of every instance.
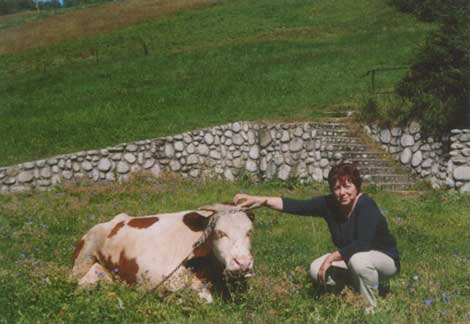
(39, 231)
(234, 60)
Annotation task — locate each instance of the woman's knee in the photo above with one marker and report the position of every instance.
(315, 266)
(359, 263)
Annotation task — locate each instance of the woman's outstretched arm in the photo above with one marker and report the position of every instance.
(245, 200)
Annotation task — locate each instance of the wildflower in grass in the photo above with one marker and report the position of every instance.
(415, 277)
(428, 301)
(445, 297)
(116, 270)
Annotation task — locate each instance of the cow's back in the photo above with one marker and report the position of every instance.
(146, 249)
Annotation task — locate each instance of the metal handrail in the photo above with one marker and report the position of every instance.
(382, 69)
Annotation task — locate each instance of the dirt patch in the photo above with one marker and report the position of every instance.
(89, 21)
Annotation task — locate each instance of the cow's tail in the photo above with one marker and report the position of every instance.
(86, 250)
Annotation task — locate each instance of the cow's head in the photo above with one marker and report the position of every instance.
(230, 231)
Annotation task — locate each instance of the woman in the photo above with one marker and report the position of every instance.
(366, 250)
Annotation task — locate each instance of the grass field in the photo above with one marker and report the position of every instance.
(39, 231)
(190, 68)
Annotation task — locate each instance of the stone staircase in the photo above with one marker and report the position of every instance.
(346, 142)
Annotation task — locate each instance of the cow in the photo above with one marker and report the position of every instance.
(197, 249)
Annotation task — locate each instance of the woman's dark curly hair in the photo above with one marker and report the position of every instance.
(345, 171)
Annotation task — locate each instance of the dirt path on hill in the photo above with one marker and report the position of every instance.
(89, 21)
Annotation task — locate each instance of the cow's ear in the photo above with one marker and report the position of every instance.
(196, 221)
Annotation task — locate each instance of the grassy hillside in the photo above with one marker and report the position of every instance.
(231, 60)
(39, 232)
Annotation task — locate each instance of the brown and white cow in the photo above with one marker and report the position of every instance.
(185, 249)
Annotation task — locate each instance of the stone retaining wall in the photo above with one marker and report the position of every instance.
(263, 151)
(445, 162)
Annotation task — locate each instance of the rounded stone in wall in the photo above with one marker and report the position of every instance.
(462, 173)
(28, 165)
(194, 173)
(465, 138)
(385, 136)
(190, 148)
(156, 170)
(179, 146)
(254, 153)
(122, 167)
(236, 127)
(407, 140)
(251, 166)
(131, 147)
(135, 168)
(104, 165)
(45, 173)
(187, 138)
(427, 163)
(192, 159)
(228, 175)
(414, 128)
(324, 163)
(237, 139)
(284, 172)
(395, 131)
(405, 156)
(67, 174)
(26, 176)
(169, 150)
(465, 188)
(130, 158)
(87, 166)
(175, 165)
(296, 145)
(215, 155)
(416, 159)
(208, 138)
(203, 149)
(394, 149)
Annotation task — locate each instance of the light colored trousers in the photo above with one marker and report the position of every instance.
(365, 270)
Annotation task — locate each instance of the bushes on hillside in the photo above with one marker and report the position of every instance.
(436, 91)
(12, 6)
(437, 87)
(427, 10)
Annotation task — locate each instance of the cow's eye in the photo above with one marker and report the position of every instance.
(219, 234)
(249, 233)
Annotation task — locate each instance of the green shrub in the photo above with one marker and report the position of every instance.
(428, 10)
(438, 84)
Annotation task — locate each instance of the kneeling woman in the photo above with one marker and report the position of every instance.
(366, 252)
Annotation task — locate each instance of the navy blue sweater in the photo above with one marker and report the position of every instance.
(366, 229)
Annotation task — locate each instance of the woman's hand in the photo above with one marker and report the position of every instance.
(245, 200)
(335, 256)
(322, 272)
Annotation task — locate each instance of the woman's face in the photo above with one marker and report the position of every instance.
(345, 191)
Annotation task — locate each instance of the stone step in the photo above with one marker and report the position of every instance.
(389, 178)
(334, 133)
(345, 147)
(390, 186)
(340, 140)
(366, 170)
(362, 155)
(375, 163)
(340, 126)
